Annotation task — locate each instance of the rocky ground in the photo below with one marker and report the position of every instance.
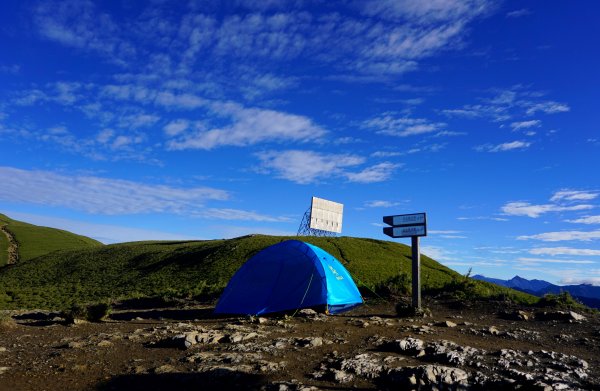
(484, 346)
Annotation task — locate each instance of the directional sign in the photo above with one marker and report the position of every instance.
(409, 219)
(405, 231)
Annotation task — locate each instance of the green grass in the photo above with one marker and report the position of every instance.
(34, 241)
(61, 279)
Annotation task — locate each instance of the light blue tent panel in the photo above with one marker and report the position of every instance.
(287, 276)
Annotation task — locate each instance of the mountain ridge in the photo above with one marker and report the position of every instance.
(586, 293)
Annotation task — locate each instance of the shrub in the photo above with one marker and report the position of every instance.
(6, 321)
(98, 312)
(91, 313)
(563, 300)
(398, 285)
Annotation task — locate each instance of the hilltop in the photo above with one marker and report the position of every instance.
(203, 268)
(20, 241)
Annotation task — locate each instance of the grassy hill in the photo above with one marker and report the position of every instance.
(200, 268)
(33, 241)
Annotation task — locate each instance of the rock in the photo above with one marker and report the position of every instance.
(576, 316)
(261, 320)
(74, 345)
(4, 370)
(560, 315)
(427, 377)
(363, 365)
(104, 344)
(446, 323)
(307, 313)
(515, 315)
(493, 330)
(185, 341)
(341, 376)
(309, 341)
(210, 337)
(2, 349)
(408, 345)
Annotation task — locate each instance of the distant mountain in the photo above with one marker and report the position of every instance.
(586, 293)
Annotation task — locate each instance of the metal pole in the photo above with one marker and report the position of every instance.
(416, 272)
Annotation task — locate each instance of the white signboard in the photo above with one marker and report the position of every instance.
(326, 215)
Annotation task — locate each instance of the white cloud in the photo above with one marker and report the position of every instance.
(437, 253)
(241, 215)
(525, 124)
(553, 251)
(249, 127)
(426, 11)
(381, 204)
(563, 236)
(390, 125)
(573, 195)
(99, 195)
(527, 209)
(581, 280)
(586, 220)
(174, 128)
(510, 146)
(307, 166)
(548, 108)
(377, 173)
(518, 13)
(546, 260)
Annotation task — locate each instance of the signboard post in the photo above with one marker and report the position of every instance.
(414, 226)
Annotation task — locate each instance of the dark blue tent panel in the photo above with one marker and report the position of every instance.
(287, 276)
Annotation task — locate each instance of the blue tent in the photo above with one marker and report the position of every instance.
(287, 276)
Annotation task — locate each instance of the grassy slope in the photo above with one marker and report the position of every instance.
(35, 241)
(140, 269)
(3, 246)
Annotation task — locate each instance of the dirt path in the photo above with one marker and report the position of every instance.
(13, 247)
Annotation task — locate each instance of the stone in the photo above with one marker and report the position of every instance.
(409, 345)
(493, 330)
(307, 313)
(2, 349)
(428, 377)
(210, 337)
(341, 376)
(4, 370)
(104, 344)
(363, 365)
(262, 320)
(446, 323)
(164, 369)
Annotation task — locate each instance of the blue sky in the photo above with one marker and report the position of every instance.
(130, 120)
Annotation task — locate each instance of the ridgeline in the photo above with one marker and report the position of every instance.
(59, 279)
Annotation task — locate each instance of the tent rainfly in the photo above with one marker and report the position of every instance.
(287, 276)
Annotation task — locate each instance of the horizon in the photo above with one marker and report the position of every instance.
(172, 120)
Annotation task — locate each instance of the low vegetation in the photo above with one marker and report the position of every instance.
(562, 301)
(193, 269)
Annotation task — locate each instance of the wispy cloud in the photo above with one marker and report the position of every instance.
(586, 220)
(390, 125)
(563, 236)
(534, 123)
(553, 251)
(99, 195)
(530, 210)
(381, 204)
(506, 104)
(574, 195)
(546, 260)
(509, 146)
(249, 127)
(376, 173)
(518, 13)
(308, 166)
(240, 215)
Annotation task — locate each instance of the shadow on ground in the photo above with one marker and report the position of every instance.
(172, 314)
(216, 379)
